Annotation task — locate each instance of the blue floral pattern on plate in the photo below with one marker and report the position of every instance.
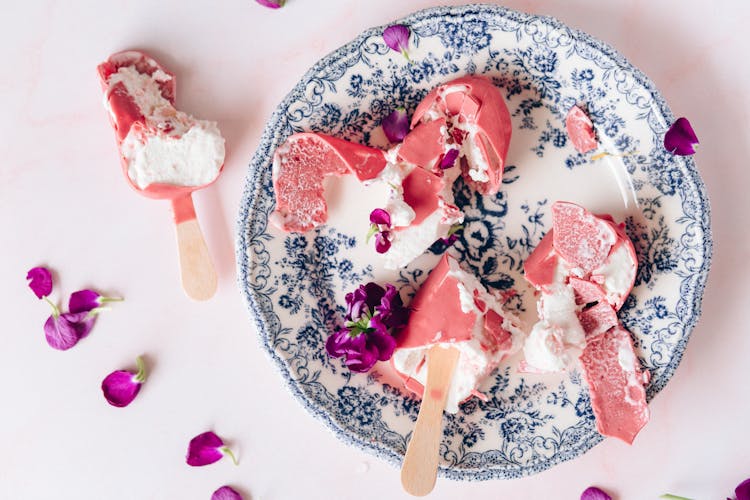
(294, 284)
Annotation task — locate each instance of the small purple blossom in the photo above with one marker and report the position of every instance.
(396, 125)
(226, 493)
(272, 4)
(63, 331)
(382, 241)
(121, 387)
(742, 492)
(594, 493)
(380, 225)
(207, 448)
(397, 38)
(40, 281)
(88, 300)
(452, 236)
(680, 139)
(380, 216)
(374, 314)
(449, 159)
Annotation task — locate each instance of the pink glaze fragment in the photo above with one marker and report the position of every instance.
(597, 319)
(585, 291)
(422, 193)
(580, 130)
(581, 238)
(616, 384)
(539, 268)
(301, 165)
(425, 145)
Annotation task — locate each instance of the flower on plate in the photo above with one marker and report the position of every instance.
(207, 448)
(88, 301)
(380, 226)
(452, 236)
(272, 4)
(594, 493)
(373, 315)
(396, 125)
(40, 281)
(64, 330)
(121, 387)
(226, 493)
(397, 38)
(680, 139)
(449, 159)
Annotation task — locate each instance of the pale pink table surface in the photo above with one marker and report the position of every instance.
(64, 203)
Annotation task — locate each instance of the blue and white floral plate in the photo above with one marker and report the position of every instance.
(295, 284)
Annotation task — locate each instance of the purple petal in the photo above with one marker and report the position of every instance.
(382, 344)
(40, 281)
(397, 37)
(380, 217)
(742, 492)
(83, 301)
(337, 343)
(396, 125)
(120, 388)
(594, 493)
(382, 241)
(272, 4)
(64, 331)
(680, 139)
(226, 493)
(449, 159)
(204, 449)
(374, 294)
(362, 361)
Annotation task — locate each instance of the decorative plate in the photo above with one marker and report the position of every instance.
(294, 284)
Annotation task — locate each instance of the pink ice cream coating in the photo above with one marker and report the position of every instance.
(580, 130)
(581, 239)
(539, 267)
(618, 397)
(436, 308)
(501, 338)
(422, 193)
(425, 145)
(597, 319)
(484, 106)
(303, 166)
(586, 292)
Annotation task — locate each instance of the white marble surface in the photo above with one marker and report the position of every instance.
(64, 203)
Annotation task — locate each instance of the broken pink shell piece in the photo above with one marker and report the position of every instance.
(581, 238)
(299, 168)
(616, 382)
(580, 130)
(475, 104)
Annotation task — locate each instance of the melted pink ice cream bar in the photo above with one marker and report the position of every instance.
(302, 163)
(453, 308)
(479, 122)
(616, 384)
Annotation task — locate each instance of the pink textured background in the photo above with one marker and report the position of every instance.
(64, 203)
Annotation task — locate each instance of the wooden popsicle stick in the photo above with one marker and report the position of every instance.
(196, 268)
(419, 470)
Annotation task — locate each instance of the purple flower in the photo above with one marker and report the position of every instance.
(380, 223)
(226, 493)
(272, 4)
(396, 125)
(88, 300)
(63, 331)
(452, 236)
(121, 387)
(40, 281)
(380, 216)
(382, 241)
(594, 493)
(680, 139)
(373, 314)
(397, 38)
(449, 159)
(207, 448)
(742, 492)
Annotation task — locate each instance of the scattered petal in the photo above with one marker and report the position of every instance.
(594, 493)
(396, 125)
(680, 139)
(382, 241)
(207, 448)
(397, 38)
(272, 4)
(580, 130)
(83, 301)
(121, 387)
(226, 493)
(742, 492)
(380, 217)
(40, 281)
(63, 331)
(449, 159)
